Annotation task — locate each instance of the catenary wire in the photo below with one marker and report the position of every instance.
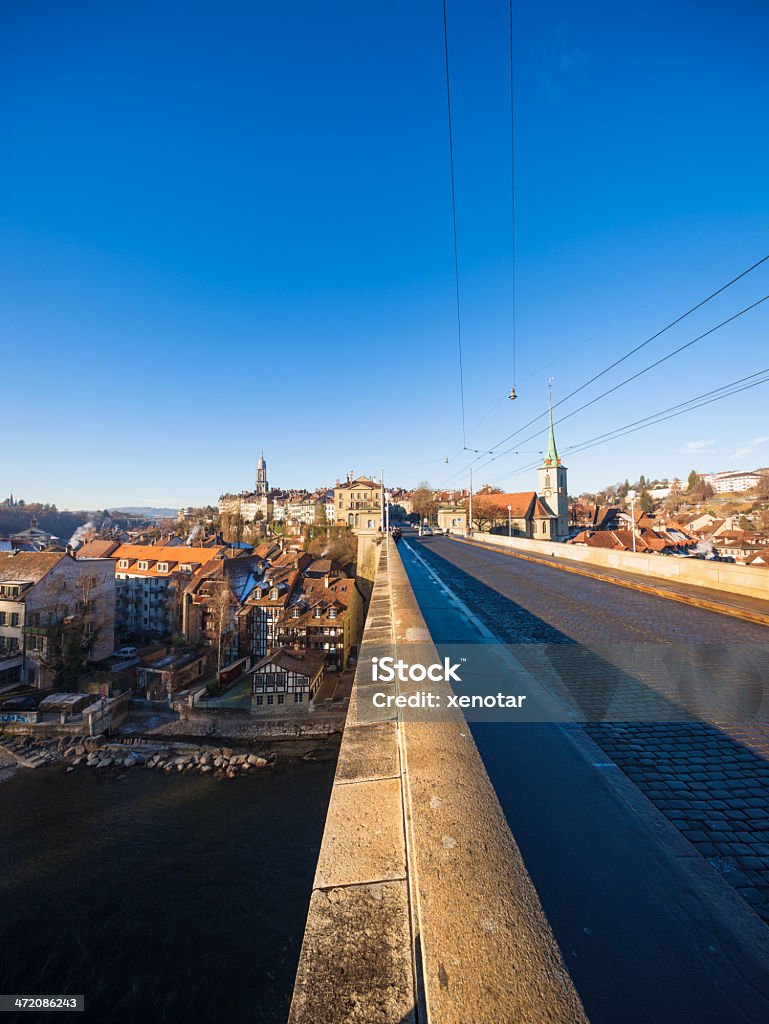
(657, 334)
(699, 401)
(454, 224)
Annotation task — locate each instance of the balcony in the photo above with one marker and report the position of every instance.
(38, 630)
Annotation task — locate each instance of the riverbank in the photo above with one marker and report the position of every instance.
(170, 754)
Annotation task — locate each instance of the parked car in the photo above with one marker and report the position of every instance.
(125, 652)
(427, 531)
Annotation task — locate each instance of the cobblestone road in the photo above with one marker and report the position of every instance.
(710, 778)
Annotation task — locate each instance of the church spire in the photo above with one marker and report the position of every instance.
(552, 451)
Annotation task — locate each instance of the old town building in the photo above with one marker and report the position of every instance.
(44, 596)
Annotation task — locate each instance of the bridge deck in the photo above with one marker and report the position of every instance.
(650, 930)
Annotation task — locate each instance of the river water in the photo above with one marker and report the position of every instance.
(169, 899)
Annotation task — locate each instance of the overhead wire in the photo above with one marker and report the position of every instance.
(454, 224)
(698, 401)
(640, 373)
(490, 450)
(512, 193)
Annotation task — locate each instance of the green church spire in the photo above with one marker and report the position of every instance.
(552, 451)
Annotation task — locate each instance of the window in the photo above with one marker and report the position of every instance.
(260, 700)
(296, 612)
(162, 566)
(332, 613)
(274, 594)
(281, 698)
(14, 618)
(270, 698)
(298, 697)
(123, 563)
(2, 618)
(144, 566)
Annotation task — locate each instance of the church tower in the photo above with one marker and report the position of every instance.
(261, 476)
(552, 486)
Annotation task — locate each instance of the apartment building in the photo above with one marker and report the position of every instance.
(358, 504)
(43, 595)
(324, 614)
(149, 585)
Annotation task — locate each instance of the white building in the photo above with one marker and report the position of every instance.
(732, 482)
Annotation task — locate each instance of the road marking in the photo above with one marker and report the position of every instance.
(460, 604)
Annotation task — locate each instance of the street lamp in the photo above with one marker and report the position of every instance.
(632, 496)
(510, 521)
(469, 530)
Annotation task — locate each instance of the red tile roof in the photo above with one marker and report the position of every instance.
(521, 502)
(152, 554)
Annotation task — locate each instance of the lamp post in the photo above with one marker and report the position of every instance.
(470, 506)
(631, 495)
(510, 521)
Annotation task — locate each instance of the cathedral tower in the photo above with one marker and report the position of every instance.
(261, 476)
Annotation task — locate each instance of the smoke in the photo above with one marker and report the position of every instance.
(704, 549)
(194, 534)
(82, 534)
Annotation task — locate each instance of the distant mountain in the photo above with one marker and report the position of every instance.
(148, 511)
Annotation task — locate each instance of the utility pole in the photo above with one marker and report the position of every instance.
(631, 495)
(510, 521)
(381, 480)
(470, 504)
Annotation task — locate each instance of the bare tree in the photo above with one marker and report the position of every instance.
(423, 501)
(175, 598)
(221, 605)
(482, 517)
(70, 631)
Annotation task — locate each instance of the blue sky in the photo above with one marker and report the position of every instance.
(228, 226)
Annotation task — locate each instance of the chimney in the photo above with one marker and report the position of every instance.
(327, 581)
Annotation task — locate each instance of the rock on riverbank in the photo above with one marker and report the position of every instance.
(97, 753)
